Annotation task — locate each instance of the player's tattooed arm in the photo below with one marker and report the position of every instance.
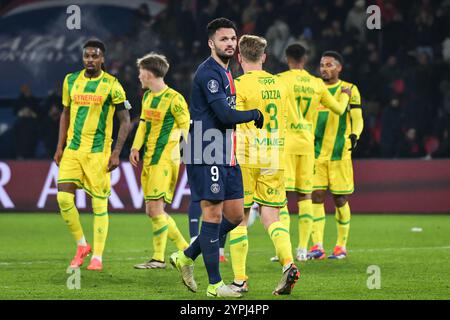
(124, 119)
(63, 127)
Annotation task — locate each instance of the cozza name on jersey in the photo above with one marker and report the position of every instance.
(270, 94)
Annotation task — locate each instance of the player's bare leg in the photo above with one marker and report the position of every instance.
(340, 200)
(212, 211)
(233, 210)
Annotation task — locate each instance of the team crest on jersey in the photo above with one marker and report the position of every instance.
(215, 188)
(213, 86)
(117, 95)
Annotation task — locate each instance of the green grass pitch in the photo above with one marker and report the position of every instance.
(35, 250)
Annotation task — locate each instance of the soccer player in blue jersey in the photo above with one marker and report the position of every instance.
(214, 176)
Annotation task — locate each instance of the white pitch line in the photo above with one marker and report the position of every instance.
(252, 251)
(53, 261)
(396, 249)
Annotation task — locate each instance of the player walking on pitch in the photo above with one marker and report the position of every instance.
(214, 176)
(164, 118)
(90, 97)
(261, 154)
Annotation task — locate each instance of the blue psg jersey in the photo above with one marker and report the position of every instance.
(211, 142)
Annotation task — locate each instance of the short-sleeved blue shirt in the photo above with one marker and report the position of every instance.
(211, 141)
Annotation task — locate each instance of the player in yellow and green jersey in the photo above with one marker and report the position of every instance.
(335, 138)
(309, 93)
(260, 153)
(164, 119)
(90, 98)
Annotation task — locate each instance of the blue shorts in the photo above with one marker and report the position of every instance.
(215, 182)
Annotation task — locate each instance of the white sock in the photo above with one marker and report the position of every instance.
(99, 258)
(222, 251)
(82, 242)
(320, 245)
(301, 251)
(285, 267)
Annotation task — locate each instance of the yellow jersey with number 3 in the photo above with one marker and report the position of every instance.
(92, 104)
(263, 148)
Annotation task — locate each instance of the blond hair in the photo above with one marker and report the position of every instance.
(155, 63)
(252, 47)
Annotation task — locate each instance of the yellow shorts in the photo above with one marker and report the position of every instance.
(263, 186)
(87, 170)
(334, 175)
(299, 170)
(159, 181)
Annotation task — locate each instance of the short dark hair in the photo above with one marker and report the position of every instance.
(95, 43)
(335, 55)
(218, 23)
(295, 51)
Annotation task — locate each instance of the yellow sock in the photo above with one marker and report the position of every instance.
(319, 223)
(238, 251)
(305, 222)
(343, 224)
(175, 234)
(282, 242)
(101, 223)
(69, 213)
(160, 227)
(285, 218)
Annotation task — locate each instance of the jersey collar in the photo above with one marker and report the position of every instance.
(160, 92)
(92, 79)
(257, 72)
(216, 63)
(337, 84)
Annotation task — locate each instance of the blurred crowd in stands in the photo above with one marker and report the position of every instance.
(402, 70)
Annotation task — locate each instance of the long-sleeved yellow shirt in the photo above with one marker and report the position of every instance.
(332, 131)
(164, 118)
(309, 93)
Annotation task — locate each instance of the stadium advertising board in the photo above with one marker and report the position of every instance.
(420, 186)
